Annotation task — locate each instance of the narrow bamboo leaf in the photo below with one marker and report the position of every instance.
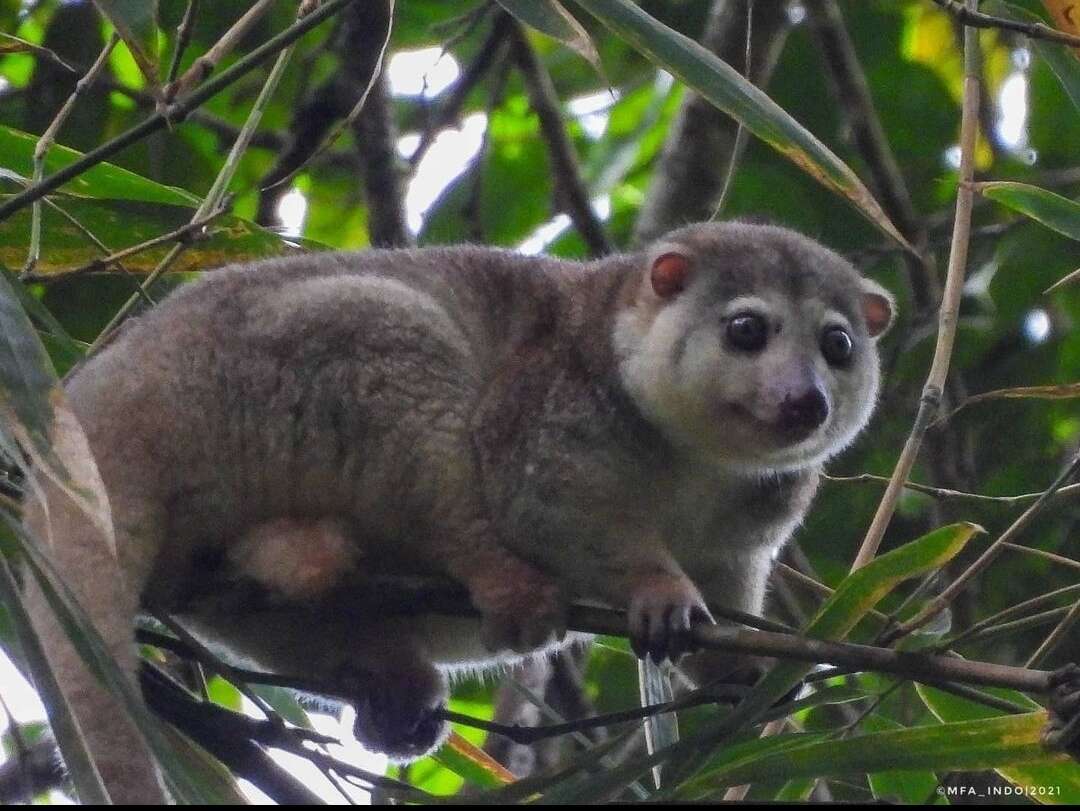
(1049, 782)
(185, 786)
(1052, 210)
(1064, 65)
(216, 783)
(135, 22)
(36, 414)
(726, 88)
(80, 765)
(893, 786)
(964, 746)
(71, 350)
(120, 224)
(102, 180)
(549, 17)
(736, 756)
(795, 791)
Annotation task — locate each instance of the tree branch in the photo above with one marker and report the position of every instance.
(690, 172)
(948, 315)
(977, 19)
(569, 185)
(174, 113)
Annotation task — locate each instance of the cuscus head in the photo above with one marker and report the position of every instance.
(752, 345)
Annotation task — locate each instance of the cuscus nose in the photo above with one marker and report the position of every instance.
(801, 414)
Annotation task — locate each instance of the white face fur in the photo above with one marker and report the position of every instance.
(760, 356)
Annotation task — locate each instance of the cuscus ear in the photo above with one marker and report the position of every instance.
(669, 273)
(878, 307)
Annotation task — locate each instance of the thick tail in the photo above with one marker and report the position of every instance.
(109, 596)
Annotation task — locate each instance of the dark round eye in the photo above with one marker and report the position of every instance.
(836, 346)
(748, 331)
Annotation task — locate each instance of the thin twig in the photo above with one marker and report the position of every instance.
(1001, 616)
(205, 64)
(942, 601)
(183, 39)
(183, 233)
(1011, 628)
(526, 735)
(48, 138)
(1042, 553)
(740, 130)
(450, 107)
(205, 657)
(174, 113)
(946, 494)
(90, 235)
(1060, 631)
(973, 18)
(856, 103)
(569, 184)
(212, 202)
(948, 315)
(279, 177)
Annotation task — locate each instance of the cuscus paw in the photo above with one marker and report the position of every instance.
(662, 613)
(400, 714)
(1062, 733)
(521, 611)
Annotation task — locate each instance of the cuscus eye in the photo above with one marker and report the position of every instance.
(748, 332)
(836, 346)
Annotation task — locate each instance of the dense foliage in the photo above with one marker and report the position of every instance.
(576, 141)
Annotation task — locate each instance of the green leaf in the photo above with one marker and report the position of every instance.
(724, 87)
(282, 701)
(1062, 63)
(102, 180)
(119, 224)
(1052, 210)
(1063, 778)
(964, 746)
(549, 17)
(736, 756)
(136, 24)
(901, 786)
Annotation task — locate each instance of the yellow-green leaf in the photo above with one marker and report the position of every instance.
(1052, 210)
(1050, 781)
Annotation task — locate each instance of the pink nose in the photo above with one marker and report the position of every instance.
(801, 415)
